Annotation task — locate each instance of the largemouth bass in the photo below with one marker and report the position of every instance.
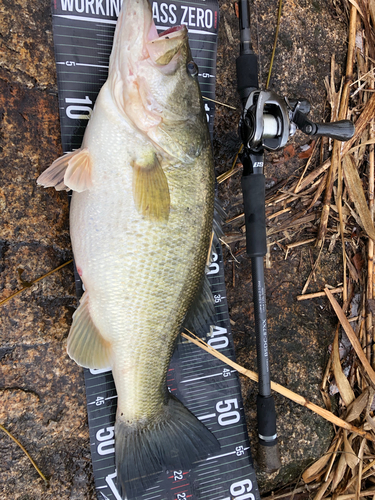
(141, 221)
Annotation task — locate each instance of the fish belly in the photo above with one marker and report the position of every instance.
(140, 275)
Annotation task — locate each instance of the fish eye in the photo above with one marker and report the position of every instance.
(192, 68)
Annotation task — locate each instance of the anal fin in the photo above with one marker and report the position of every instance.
(86, 346)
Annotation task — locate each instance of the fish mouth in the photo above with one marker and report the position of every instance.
(173, 29)
(136, 39)
(164, 47)
(137, 53)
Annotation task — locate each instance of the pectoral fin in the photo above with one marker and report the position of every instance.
(71, 171)
(150, 189)
(85, 343)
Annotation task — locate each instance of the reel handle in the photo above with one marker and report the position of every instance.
(342, 130)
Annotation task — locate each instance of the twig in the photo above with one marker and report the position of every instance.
(367, 143)
(297, 244)
(360, 125)
(35, 281)
(296, 189)
(313, 175)
(26, 453)
(334, 455)
(275, 42)
(280, 212)
(209, 254)
(366, 493)
(327, 415)
(342, 235)
(351, 335)
(312, 272)
(218, 102)
(360, 468)
(223, 177)
(365, 469)
(236, 217)
(318, 294)
(319, 191)
(295, 222)
(302, 489)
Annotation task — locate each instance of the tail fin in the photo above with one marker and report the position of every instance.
(175, 440)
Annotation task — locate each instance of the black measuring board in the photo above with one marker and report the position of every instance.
(83, 32)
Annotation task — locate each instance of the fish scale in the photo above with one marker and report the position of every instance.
(229, 475)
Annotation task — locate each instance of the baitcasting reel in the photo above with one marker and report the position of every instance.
(268, 121)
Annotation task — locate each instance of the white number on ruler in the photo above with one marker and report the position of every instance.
(181, 496)
(109, 480)
(227, 372)
(241, 490)
(214, 266)
(106, 440)
(76, 111)
(207, 108)
(218, 339)
(228, 414)
(177, 475)
(240, 451)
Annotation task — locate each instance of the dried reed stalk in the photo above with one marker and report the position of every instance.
(327, 415)
(370, 244)
(318, 294)
(342, 114)
(351, 335)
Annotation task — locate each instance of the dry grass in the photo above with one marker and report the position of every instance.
(335, 203)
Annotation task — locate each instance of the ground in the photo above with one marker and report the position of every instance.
(41, 391)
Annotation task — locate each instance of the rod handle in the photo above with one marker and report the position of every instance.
(268, 450)
(253, 187)
(247, 75)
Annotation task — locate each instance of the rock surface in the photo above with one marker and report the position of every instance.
(42, 395)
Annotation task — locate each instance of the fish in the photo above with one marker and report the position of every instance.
(141, 221)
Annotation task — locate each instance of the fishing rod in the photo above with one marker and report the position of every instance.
(266, 123)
